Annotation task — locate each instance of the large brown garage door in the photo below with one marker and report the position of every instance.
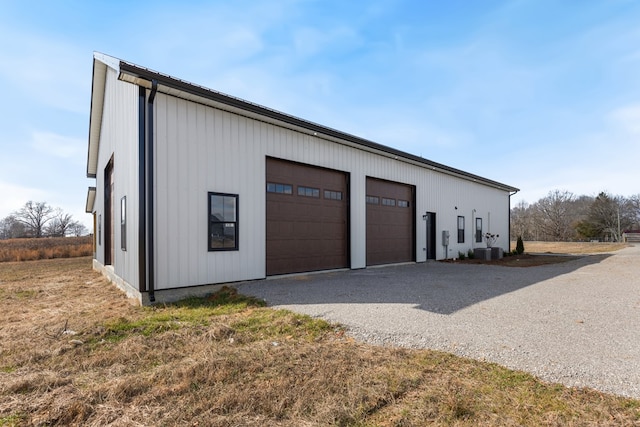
(307, 212)
(390, 222)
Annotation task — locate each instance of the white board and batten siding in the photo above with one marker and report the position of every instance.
(201, 149)
(119, 139)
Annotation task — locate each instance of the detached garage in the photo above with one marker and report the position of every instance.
(194, 188)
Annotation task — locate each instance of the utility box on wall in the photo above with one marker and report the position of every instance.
(445, 238)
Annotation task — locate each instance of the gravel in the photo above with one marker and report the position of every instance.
(576, 323)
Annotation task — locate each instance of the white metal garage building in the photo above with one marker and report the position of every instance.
(196, 188)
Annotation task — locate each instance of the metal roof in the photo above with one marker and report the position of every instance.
(172, 86)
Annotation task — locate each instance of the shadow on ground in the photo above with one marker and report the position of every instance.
(436, 287)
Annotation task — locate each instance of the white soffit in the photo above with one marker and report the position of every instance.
(100, 64)
(107, 60)
(91, 198)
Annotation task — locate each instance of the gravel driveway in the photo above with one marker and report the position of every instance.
(577, 323)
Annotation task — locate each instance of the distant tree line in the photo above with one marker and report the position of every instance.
(39, 219)
(563, 216)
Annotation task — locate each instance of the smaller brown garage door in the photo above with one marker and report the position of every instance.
(390, 222)
(307, 212)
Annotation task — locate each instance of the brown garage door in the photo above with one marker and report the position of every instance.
(390, 222)
(307, 211)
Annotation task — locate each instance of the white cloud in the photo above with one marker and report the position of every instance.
(626, 119)
(59, 146)
(14, 197)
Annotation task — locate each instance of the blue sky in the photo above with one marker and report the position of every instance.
(537, 94)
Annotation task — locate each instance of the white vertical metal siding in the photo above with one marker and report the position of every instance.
(200, 149)
(119, 138)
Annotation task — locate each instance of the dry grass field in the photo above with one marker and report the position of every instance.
(45, 248)
(75, 351)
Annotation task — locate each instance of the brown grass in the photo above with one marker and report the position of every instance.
(74, 351)
(45, 248)
(570, 247)
(523, 260)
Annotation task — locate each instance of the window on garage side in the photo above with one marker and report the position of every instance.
(308, 191)
(460, 229)
(223, 222)
(403, 203)
(273, 187)
(333, 195)
(373, 200)
(478, 230)
(388, 202)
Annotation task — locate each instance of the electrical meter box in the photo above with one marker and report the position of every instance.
(445, 238)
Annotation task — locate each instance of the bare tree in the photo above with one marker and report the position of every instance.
(11, 228)
(562, 216)
(60, 224)
(34, 216)
(78, 229)
(610, 215)
(554, 215)
(522, 224)
(634, 207)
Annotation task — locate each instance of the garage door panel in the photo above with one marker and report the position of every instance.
(390, 228)
(306, 233)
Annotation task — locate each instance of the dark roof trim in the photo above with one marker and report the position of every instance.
(143, 76)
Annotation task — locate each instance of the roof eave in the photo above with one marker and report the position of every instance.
(143, 77)
(100, 64)
(91, 199)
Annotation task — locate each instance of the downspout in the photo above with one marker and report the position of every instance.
(142, 191)
(509, 228)
(150, 194)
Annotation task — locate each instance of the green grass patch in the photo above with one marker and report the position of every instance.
(225, 301)
(188, 312)
(270, 324)
(25, 293)
(11, 420)
(122, 328)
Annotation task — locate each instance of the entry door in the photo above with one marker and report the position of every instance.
(431, 235)
(108, 214)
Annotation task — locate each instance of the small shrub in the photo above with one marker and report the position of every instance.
(471, 254)
(519, 246)
(461, 256)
